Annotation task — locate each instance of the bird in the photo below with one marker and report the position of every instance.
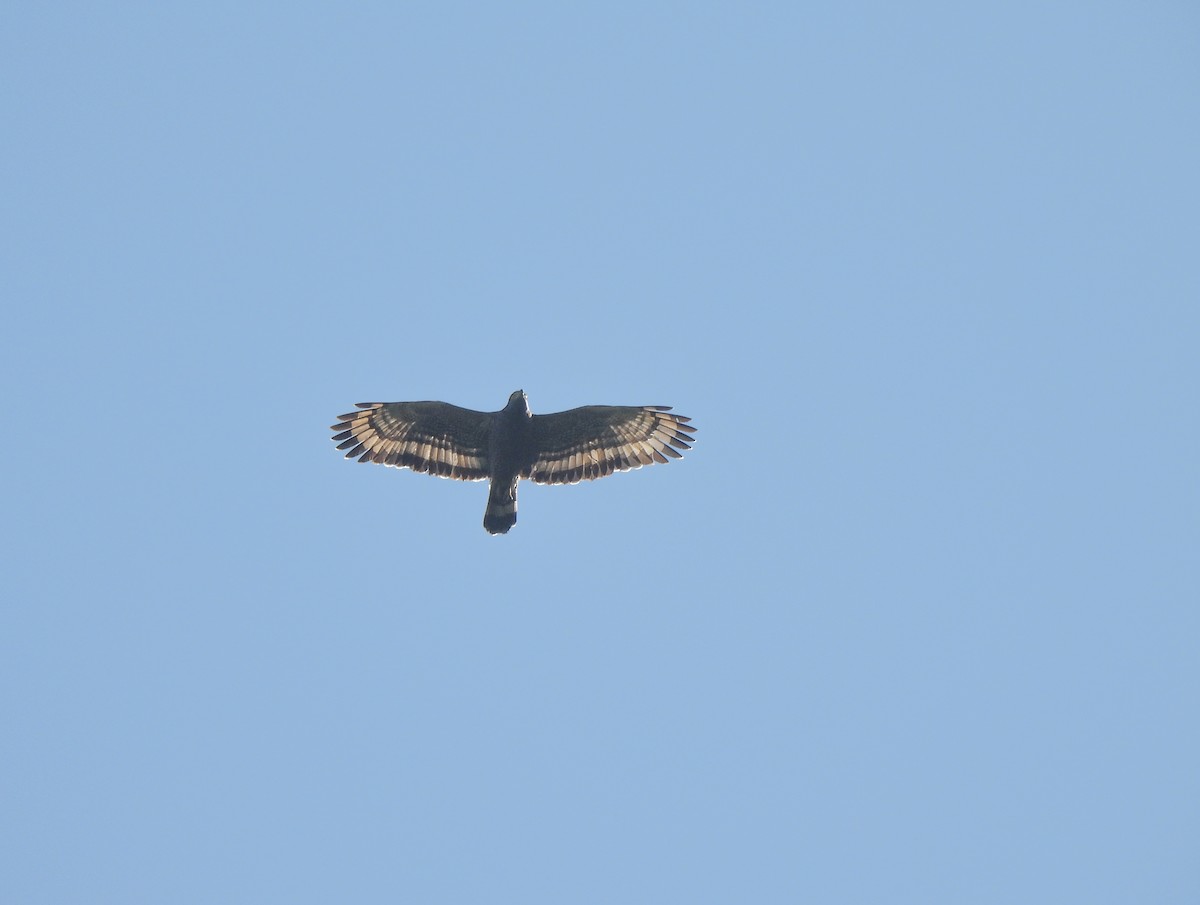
(580, 444)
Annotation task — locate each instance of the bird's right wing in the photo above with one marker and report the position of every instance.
(431, 437)
(596, 440)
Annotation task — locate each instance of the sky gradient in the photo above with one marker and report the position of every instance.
(915, 620)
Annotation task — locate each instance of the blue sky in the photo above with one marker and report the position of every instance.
(916, 619)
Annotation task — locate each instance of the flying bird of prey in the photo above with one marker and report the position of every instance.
(502, 447)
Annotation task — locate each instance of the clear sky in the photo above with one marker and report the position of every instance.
(915, 621)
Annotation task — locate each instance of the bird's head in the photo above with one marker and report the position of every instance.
(518, 400)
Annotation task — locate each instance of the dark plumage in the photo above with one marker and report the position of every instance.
(502, 447)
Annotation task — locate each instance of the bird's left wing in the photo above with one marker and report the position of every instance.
(596, 440)
(431, 437)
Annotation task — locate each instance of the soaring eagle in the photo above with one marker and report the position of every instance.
(502, 447)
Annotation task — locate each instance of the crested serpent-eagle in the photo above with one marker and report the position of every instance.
(502, 447)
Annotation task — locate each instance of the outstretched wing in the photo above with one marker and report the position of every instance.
(593, 441)
(431, 437)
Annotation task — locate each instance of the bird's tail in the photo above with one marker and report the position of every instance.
(501, 513)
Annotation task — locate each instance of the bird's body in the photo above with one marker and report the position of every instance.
(502, 447)
(510, 452)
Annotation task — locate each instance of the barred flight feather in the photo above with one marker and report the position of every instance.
(592, 442)
(428, 437)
